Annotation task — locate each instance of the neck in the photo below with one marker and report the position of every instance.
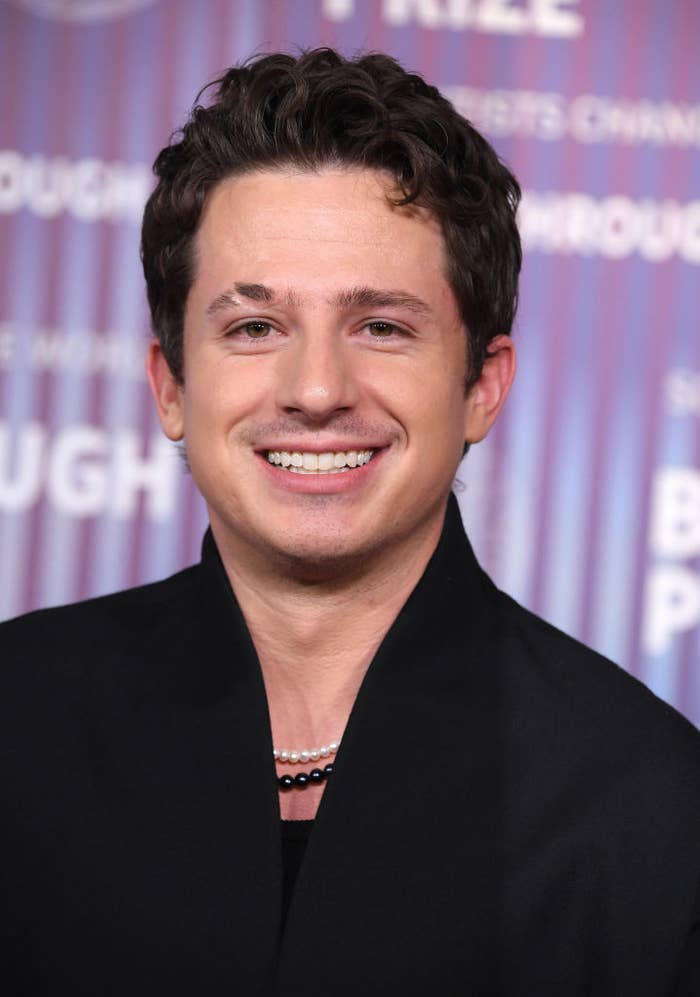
(315, 640)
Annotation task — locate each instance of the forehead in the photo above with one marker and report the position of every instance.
(314, 230)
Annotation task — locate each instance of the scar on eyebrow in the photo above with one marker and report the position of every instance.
(251, 292)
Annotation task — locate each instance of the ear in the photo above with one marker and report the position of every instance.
(167, 393)
(486, 397)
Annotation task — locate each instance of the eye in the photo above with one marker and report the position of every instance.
(254, 330)
(383, 330)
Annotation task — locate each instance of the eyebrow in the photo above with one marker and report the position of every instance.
(252, 292)
(371, 297)
(353, 297)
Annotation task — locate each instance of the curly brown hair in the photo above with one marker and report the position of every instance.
(321, 109)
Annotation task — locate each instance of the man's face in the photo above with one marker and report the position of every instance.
(320, 330)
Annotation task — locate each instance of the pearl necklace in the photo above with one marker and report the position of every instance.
(303, 779)
(308, 755)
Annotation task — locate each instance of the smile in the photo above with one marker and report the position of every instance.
(331, 462)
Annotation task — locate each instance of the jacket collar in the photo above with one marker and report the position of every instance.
(422, 700)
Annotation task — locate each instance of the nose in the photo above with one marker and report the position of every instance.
(316, 376)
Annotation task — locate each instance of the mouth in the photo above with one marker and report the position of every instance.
(310, 462)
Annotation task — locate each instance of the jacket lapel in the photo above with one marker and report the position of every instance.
(409, 824)
(222, 812)
(407, 827)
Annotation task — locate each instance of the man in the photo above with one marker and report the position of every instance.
(332, 260)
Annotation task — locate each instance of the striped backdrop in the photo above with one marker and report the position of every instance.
(585, 501)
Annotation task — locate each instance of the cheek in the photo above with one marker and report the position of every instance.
(224, 395)
(442, 422)
(432, 403)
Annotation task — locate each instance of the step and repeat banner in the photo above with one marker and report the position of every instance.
(585, 501)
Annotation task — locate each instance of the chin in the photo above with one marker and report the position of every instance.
(313, 560)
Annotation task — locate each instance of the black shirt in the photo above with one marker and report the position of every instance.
(295, 837)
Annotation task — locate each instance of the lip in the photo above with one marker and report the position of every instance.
(320, 484)
(332, 446)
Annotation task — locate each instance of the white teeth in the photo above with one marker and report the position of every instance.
(328, 462)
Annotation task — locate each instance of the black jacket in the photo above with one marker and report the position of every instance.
(510, 814)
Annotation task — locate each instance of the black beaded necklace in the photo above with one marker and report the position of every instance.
(303, 779)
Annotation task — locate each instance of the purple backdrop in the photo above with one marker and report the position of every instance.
(584, 503)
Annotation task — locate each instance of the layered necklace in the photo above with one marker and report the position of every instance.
(303, 779)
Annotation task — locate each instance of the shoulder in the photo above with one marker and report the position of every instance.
(68, 671)
(70, 634)
(592, 697)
